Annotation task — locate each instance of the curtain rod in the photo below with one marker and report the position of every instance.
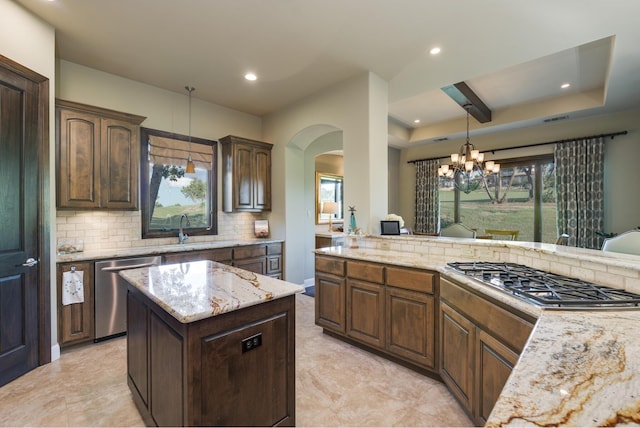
(566, 140)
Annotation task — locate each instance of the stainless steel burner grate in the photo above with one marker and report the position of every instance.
(545, 288)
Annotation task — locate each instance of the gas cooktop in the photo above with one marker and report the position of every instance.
(546, 289)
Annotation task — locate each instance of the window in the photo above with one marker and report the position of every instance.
(329, 188)
(172, 198)
(522, 198)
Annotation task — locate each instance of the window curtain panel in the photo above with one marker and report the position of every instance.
(580, 191)
(427, 218)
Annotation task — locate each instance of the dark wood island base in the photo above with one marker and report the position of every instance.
(231, 369)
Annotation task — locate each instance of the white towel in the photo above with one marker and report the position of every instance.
(72, 288)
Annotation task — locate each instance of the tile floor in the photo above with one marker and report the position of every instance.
(336, 385)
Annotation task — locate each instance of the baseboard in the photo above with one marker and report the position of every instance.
(309, 282)
(55, 352)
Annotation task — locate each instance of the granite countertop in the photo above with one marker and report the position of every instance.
(579, 368)
(198, 290)
(111, 253)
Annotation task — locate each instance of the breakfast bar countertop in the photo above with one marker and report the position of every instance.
(198, 290)
(579, 368)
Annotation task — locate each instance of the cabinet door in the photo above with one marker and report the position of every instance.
(245, 371)
(257, 265)
(75, 321)
(243, 177)
(262, 179)
(78, 152)
(330, 302)
(457, 342)
(411, 325)
(494, 362)
(137, 350)
(120, 156)
(365, 313)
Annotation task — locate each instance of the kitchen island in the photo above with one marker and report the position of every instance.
(210, 344)
(577, 368)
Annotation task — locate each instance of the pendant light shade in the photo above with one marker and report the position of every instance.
(191, 168)
(467, 165)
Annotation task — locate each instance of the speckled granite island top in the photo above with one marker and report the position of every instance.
(579, 368)
(197, 290)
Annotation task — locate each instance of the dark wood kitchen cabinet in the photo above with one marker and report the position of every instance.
(480, 343)
(220, 255)
(387, 308)
(201, 373)
(97, 156)
(365, 303)
(330, 290)
(75, 321)
(264, 258)
(410, 315)
(246, 174)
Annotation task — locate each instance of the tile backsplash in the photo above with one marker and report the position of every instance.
(122, 229)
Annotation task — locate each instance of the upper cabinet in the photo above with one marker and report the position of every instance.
(97, 155)
(246, 175)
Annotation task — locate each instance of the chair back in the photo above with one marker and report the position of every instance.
(458, 230)
(511, 235)
(627, 242)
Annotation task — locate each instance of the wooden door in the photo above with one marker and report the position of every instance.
(78, 152)
(262, 179)
(19, 231)
(120, 156)
(411, 325)
(457, 344)
(243, 180)
(330, 301)
(494, 362)
(365, 313)
(75, 321)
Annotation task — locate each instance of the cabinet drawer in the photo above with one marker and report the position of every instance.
(249, 252)
(274, 248)
(501, 323)
(410, 279)
(368, 272)
(330, 265)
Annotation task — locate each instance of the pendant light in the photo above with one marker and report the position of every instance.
(467, 164)
(191, 168)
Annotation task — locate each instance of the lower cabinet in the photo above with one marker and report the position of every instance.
(221, 255)
(387, 308)
(76, 321)
(203, 374)
(330, 299)
(265, 259)
(480, 342)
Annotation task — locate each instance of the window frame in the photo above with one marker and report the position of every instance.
(148, 233)
(537, 160)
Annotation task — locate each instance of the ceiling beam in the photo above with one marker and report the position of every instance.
(462, 94)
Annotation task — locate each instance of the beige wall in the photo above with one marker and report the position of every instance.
(622, 200)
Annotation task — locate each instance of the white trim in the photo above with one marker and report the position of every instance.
(309, 282)
(55, 352)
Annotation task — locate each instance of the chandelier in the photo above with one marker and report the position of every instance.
(467, 167)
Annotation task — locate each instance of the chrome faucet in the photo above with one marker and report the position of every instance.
(181, 235)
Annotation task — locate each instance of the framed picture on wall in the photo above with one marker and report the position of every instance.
(261, 228)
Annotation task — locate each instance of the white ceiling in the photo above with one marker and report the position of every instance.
(513, 53)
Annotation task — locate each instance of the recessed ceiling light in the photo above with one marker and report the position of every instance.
(250, 76)
(565, 85)
(416, 121)
(435, 51)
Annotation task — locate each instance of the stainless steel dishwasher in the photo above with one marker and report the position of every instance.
(111, 295)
